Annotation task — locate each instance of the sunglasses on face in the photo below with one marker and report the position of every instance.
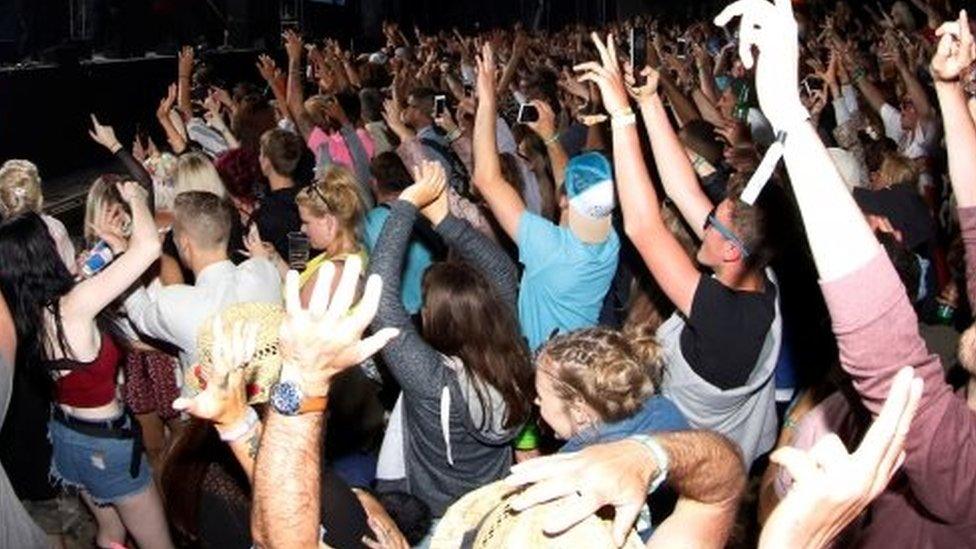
(712, 222)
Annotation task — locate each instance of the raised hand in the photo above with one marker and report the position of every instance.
(430, 182)
(109, 225)
(326, 338)
(224, 400)
(956, 50)
(545, 127)
(293, 44)
(166, 104)
(185, 61)
(832, 487)
(644, 93)
(104, 135)
(606, 75)
(487, 78)
(772, 29)
(132, 192)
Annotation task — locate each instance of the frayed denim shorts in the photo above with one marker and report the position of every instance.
(99, 466)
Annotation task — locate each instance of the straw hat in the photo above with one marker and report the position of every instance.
(265, 366)
(483, 518)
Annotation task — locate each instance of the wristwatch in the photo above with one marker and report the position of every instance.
(288, 399)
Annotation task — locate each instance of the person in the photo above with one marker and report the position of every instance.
(331, 213)
(65, 333)
(201, 230)
(594, 385)
(465, 375)
(277, 214)
(20, 191)
(568, 269)
(316, 343)
(875, 325)
(17, 529)
(722, 343)
(390, 178)
(418, 115)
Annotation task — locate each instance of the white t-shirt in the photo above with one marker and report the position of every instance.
(915, 143)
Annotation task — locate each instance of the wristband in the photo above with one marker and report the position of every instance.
(621, 112)
(552, 139)
(618, 121)
(859, 74)
(454, 135)
(528, 439)
(660, 457)
(237, 431)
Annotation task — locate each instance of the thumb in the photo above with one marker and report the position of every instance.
(623, 521)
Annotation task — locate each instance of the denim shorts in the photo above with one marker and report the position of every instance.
(99, 466)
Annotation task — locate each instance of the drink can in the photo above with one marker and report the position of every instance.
(99, 256)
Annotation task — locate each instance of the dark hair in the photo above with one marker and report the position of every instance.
(283, 149)
(423, 98)
(411, 515)
(349, 102)
(876, 151)
(371, 104)
(464, 316)
(253, 117)
(699, 136)
(240, 171)
(904, 261)
(390, 173)
(542, 84)
(33, 278)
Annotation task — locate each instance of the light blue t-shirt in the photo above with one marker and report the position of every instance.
(419, 257)
(565, 280)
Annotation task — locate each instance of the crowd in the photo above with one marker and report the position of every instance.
(517, 289)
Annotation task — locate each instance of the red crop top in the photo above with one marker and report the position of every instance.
(90, 384)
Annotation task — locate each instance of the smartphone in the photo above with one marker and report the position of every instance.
(440, 105)
(638, 48)
(528, 113)
(682, 50)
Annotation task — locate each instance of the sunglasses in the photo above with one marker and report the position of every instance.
(712, 222)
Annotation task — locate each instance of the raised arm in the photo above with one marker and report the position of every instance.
(315, 344)
(295, 93)
(89, 297)
(105, 136)
(185, 81)
(868, 89)
(511, 68)
(704, 468)
(176, 140)
(677, 173)
(545, 128)
(502, 198)
(665, 258)
(915, 89)
(413, 361)
(955, 53)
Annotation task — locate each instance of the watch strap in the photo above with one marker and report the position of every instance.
(312, 405)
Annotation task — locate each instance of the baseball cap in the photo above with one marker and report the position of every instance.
(589, 189)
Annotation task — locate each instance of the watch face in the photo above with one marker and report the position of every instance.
(286, 398)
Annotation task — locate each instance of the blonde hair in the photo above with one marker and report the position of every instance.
(195, 172)
(20, 188)
(896, 169)
(102, 193)
(610, 373)
(336, 193)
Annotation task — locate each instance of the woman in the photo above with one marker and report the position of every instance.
(63, 327)
(466, 375)
(331, 214)
(20, 191)
(598, 385)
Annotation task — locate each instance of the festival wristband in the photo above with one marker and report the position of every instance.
(528, 439)
(623, 120)
(660, 459)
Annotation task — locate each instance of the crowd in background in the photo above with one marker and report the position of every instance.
(471, 290)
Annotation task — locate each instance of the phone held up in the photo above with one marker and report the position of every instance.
(638, 51)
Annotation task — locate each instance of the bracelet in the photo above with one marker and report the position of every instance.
(619, 121)
(660, 456)
(454, 135)
(622, 112)
(552, 139)
(237, 431)
(859, 74)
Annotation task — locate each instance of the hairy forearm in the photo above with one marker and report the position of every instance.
(704, 467)
(286, 506)
(960, 136)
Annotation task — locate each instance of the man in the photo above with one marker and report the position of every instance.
(201, 229)
(419, 116)
(568, 267)
(722, 343)
(277, 214)
(390, 178)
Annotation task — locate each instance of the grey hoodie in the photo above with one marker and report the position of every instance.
(449, 446)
